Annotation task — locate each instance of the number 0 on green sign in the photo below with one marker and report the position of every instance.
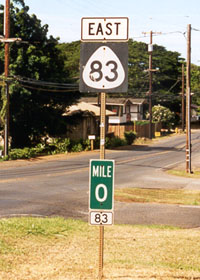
(101, 184)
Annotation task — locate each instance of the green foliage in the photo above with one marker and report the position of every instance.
(141, 122)
(195, 84)
(3, 105)
(163, 114)
(35, 113)
(130, 136)
(60, 145)
(71, 58)
(57, 146)
(86, 145)
(166, 81)
(115, 142)
(30, 226)
(77, 148)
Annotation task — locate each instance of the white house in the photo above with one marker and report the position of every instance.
(126, 109)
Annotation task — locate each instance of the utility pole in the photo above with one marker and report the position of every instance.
(183, 98)
(188, 102)
(150, 70)
(150, 50)
(6, 73)
(6, 40)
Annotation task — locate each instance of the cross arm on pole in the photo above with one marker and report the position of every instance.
(9, 40)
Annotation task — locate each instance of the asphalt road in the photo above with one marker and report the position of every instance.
(59, 185)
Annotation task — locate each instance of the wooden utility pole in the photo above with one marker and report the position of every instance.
(150, 70)
(183, 98)
(188, 103)
(6, 73)
(150, 50)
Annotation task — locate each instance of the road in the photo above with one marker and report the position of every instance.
(59, 185)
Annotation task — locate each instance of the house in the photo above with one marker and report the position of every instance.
(125, 109)
(194, 113)
(86, 120)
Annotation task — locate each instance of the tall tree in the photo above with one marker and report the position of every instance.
(166, 79)
(36, 108)
(195, 84)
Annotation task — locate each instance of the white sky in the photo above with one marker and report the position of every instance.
(170, 17)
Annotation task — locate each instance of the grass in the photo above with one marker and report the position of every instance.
(183, 173)
(59, 249)
(168, 196)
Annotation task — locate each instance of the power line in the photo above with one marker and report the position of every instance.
(50, 90)
(161, 34)
(195, 29)
(28, 81)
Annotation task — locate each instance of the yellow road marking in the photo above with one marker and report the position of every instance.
(25, 178)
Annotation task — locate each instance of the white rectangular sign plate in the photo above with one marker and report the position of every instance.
(91, 137)
(101, 218)
(104, 29)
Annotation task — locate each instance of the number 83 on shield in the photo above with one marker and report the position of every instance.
(103, 70)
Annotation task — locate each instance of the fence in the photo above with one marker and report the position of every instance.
(142, 130)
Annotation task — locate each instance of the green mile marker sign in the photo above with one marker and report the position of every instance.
(101, 184)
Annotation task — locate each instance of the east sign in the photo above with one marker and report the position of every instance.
(104, 29)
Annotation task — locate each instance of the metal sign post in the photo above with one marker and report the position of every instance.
(102, 156)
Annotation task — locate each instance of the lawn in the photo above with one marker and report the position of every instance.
(165, 196)
(65, 249)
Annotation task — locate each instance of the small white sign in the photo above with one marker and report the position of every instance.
(104, 29)
(101, 218)
(102, 142)
(91, 137)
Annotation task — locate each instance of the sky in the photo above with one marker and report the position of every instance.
(170, 17)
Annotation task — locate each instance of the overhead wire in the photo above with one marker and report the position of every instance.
(45, 86)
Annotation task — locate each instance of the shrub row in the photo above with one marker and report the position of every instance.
(60, 145)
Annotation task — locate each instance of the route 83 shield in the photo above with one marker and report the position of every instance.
(104, 67)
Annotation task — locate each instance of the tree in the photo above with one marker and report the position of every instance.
(163, 115)
(36, 108)
(166, 80)
(195, 84)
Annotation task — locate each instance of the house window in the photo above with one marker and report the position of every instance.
(115, 109)
(128, 109)
(89, 125)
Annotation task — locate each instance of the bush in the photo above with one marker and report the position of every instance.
(141, 123)
(86, 145)
(130, 136)
(115, 142)
(57, 146)
(77, 148)
(60, 145)
(25, 153)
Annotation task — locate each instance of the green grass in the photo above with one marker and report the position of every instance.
(168, 196)
(24, 227)
(58, 249)
(183, 173)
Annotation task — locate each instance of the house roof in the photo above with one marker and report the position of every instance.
(114, 101)
(86, 107)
